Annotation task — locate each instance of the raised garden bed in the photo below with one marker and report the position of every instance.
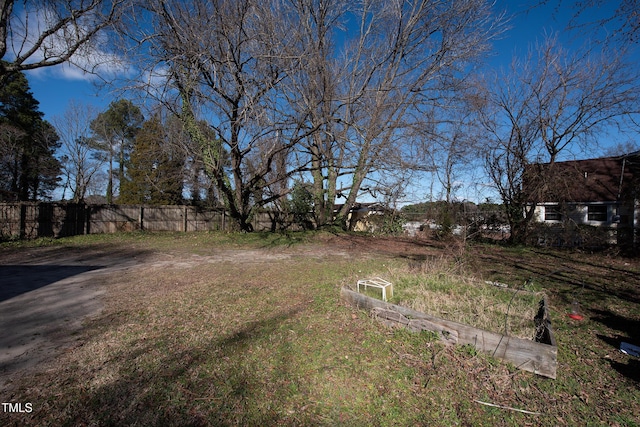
(537, 355)
(486, 305)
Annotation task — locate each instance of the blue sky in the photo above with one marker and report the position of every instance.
(55, 87)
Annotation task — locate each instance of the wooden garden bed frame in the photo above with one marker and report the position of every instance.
(539, 357)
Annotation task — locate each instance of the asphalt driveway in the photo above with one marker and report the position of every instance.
(45, 294)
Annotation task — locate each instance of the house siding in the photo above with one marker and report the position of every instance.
(601, 193)
(579, 213)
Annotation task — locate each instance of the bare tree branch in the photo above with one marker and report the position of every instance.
(549, 104)
(52, 32)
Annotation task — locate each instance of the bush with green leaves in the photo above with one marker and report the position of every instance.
(300, 205)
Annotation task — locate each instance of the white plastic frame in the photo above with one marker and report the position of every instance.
(379, 283)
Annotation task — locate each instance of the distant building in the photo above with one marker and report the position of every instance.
(602, 192)
(361, 216)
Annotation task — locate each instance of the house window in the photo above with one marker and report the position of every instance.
(597, 213)
(552, 213)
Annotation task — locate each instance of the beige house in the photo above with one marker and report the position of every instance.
(364, 216)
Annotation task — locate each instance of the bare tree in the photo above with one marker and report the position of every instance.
(314, 96)
(551, 103)
(449, 141)
(323, 86)
(363, 96)
(79, 164)
(623, 16)
(43, 33)
(223, 62)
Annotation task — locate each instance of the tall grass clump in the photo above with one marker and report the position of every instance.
(439, 287)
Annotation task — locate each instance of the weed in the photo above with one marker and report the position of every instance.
(258, 340)
(467, 300)
(468, 350)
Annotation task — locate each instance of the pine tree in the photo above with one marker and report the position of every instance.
(114, 131)
(155, 168)
(28, 167)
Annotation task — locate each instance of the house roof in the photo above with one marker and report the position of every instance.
(606, 179)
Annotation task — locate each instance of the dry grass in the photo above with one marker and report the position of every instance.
(442, 290)
(206, 340)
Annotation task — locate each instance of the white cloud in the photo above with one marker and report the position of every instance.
(94, 58)
(155, 81)
(96, 61)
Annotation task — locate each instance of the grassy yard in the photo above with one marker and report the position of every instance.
(491, 306)
(248, 329)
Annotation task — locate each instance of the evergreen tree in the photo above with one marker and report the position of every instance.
(114, 131)
(155, 168)
(28, 167)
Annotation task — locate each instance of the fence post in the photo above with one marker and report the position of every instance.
(141, 217)
(23, 220)
(186, 212)
(87, 219)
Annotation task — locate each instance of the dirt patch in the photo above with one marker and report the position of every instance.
(46, 293)
(410, 248)
(238, 256)
(245, 329)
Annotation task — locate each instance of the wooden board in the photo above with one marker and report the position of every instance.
(531, 356)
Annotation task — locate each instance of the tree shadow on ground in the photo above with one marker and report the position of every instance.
(599, 277)
(629, 331)
(33, 269)
(211, 383)
(628, 327)
(412, 249)
(44, 300)
(286, 239)
(630, 370)
(19, 279)
(568, 276)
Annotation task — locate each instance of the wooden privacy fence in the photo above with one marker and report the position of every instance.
(28, 220)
